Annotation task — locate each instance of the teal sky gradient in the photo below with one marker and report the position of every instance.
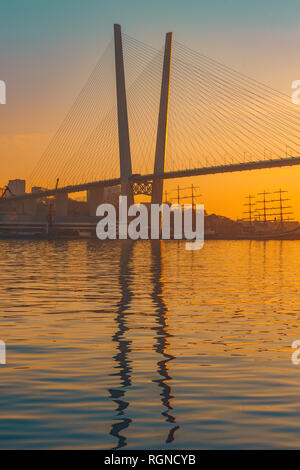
(54, 19)
(48, 47)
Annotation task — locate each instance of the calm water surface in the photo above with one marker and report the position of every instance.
(147, 345)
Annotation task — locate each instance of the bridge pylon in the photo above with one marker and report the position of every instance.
(123, 127)
(162, 129)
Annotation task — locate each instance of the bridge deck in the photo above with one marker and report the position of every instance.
(235, 167)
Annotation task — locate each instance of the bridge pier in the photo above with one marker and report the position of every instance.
(61, 204)
(95, 197)
(16, 206)
(30, 206)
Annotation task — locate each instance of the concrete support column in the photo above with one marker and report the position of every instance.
(95, 197)
(61, 204)
(30, 206)
(18, 207)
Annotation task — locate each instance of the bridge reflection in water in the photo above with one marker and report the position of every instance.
(122, 359)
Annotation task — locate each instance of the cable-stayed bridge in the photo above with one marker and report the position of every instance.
(147, 115)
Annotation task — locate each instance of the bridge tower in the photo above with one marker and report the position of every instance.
(124, 142)
(162, 130)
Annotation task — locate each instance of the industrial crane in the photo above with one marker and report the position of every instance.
(5, 190)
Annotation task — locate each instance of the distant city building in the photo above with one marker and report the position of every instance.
(16, 187)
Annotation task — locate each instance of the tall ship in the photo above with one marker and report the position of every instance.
(269, 215)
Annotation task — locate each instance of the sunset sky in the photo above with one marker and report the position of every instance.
(49, 47)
